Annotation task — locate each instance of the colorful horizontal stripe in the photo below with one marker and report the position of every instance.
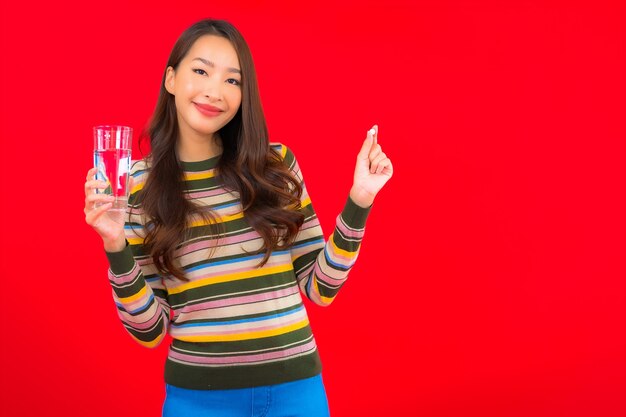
(247, 324)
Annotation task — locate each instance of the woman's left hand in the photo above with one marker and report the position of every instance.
(373, 170)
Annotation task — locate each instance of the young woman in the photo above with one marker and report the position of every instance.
(221, 240)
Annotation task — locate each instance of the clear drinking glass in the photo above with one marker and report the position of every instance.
(111, 155)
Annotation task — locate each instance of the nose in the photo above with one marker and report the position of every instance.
(213, 88)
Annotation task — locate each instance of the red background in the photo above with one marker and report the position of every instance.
(491, 281)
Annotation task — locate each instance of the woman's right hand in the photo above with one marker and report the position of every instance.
(108, 224)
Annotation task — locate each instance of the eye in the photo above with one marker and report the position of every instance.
(199, 71)
(236, 82)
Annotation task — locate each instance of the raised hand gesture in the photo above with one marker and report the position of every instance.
(373, 170)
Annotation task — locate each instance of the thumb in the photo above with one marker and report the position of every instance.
(367, 145)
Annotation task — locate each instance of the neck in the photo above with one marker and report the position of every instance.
(193, 148)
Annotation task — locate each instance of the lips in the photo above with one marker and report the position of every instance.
(207, 109)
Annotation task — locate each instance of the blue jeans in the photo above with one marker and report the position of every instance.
(302, 398)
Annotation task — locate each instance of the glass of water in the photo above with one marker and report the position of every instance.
(111, 155)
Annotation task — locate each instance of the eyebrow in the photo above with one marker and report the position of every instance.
(212, 65)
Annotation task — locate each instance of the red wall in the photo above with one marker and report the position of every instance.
(491, 281)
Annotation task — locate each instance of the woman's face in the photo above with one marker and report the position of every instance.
(206, 86)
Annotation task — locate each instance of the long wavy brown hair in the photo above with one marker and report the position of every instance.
(270, 193)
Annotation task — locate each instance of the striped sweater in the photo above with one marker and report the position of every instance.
(233, 325)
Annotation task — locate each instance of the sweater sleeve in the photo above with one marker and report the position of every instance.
(322, 266)
(137, 288)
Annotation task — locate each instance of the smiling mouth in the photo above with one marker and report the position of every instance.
(208, 110)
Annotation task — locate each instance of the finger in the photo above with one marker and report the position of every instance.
(367, 145)
(92, 216)
(382, 165)
(96, 184)
(91, 173)
(92, 185)
(376, 162)
(386, 167)
(92, 199)
(376, 168)
(375, 127)
(379, 158)
(374, 131)
(376, 150)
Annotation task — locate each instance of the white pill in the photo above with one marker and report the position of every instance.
(371, 132)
